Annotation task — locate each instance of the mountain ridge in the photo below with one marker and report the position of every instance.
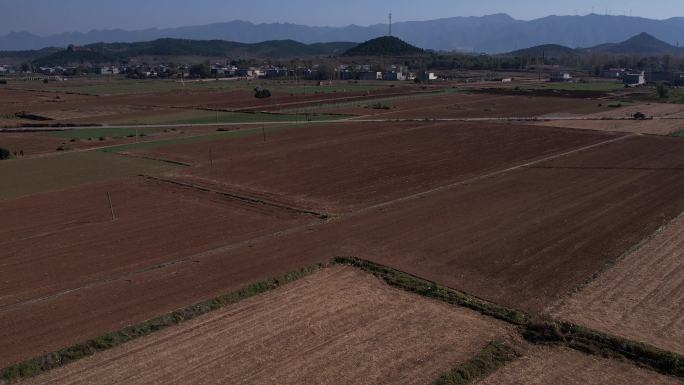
(642, 44)
(495, 33)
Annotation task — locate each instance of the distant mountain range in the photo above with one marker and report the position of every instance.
(642, 44)
(490, 34)
(117, 52)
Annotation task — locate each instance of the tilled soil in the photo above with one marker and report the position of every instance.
(350, 166)
(338, 326)
(641, 297)
(59, 241)
(523, 238)
(545, 366)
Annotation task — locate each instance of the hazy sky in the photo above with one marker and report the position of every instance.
(51, 16)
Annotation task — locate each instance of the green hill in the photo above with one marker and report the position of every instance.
(104, 53)
(642, 44)
(385, 46)
(546, 50)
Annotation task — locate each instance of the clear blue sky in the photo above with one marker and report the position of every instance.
(51, 16)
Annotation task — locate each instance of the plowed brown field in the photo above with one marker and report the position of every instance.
(522, 238)
(338, 326)
(30, 144)
(546, 366)
(348, 166)
(59, 241)
(640, 298)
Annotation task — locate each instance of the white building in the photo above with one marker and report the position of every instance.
(560, 77)
(370, 75)
(428, 76)
(634, 79)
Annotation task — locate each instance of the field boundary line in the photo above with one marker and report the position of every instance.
(292, 230)
(490, 359)
(62, 357)
(534, 329)
(173, 162)
(240, 197)
(560, 303)
(489, 175)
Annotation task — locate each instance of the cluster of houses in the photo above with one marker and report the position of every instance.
(393, 73)
(638, 78)
(227, 70)
(629, 78)
(341, 72)
(7, 70)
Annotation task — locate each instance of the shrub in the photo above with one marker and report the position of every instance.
(5, 153)
(380, 106)
(261, 93)
(662, 90)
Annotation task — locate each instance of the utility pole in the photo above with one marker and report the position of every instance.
(390, 24)
(111, 206)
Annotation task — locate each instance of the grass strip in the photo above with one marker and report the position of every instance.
(489, 360)
(433, 290)
(37, 365)
(534, 330)
(597, 343)
(679, 134)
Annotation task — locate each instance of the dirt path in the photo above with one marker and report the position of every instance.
(338, 326)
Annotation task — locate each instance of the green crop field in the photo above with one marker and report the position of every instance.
(37, 175)
(104, 132)
(209, 117)
(591, 86)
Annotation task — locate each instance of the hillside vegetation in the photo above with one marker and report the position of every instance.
(385, 46)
